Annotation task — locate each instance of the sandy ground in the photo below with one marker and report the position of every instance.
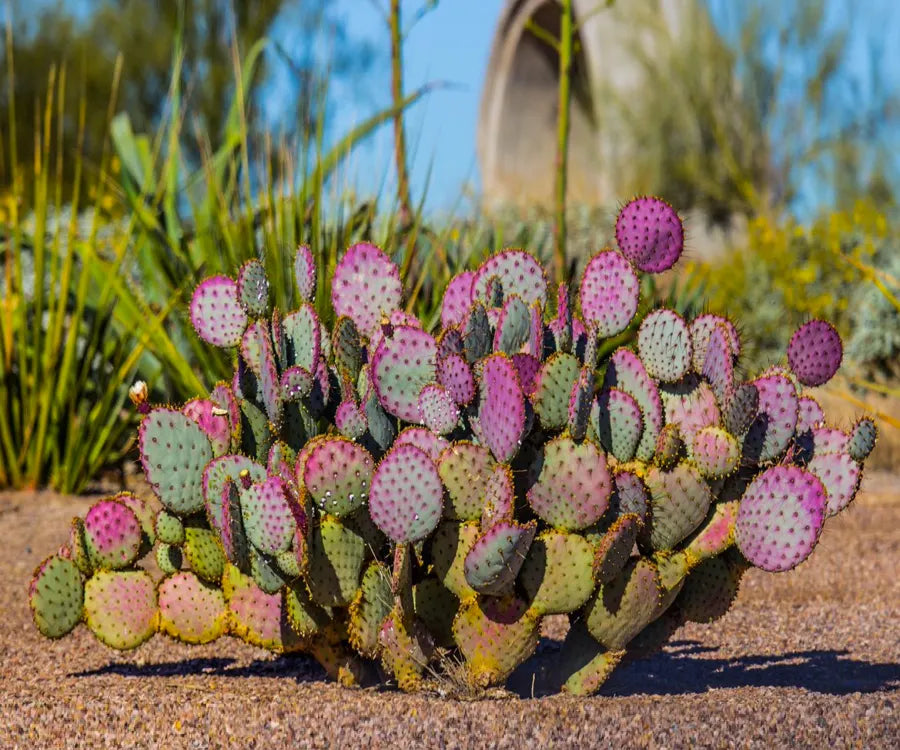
(809, 658)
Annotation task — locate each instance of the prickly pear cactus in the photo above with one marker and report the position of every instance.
(369, 493)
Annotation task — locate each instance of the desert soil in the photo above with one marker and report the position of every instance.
(809, 658)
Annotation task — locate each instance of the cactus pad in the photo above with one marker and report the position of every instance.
(815, 352)
(253, 288)
(406, 496)
(518, 272)
(780, 518)
(268, 518)
(664, 343)
(612, 552)
(862, 439)
(174, 453)
(513, 326)
(840, 476)
(702, 328)
(255, 616)
(457, 299)
(573, 486)
(191, 610)
(120, 607)
(112, 534)
(501, 412)
(455, 375)
(626, 372)
(556, 574)
(771, 432)
(337, 474)
(371, 605)
(553, 389)
(623, 607)
(336, 555)
(424, 439)
(203, 553)
(809, 414)
(438, 409)
(617, 421)
(366, 287)
(56, 596)
(609, 294)
(715, 452)
(718, 366)
(493, 562)
(679, 500)
(305, 273)
(450, 544)
(216, 313)
(216, 425)
(650, 234)
(741, 411)
(402, 366)
(709, 590)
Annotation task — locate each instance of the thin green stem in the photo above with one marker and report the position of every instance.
(562, 140)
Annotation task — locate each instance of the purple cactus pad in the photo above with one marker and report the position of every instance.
(305, 273)
(501, 412)
(815, 352)
(406, 496)
(216, 313)
(457, 300)
(650, 234)
(366, 287)
(609, 293)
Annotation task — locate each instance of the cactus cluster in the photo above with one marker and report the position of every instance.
(374, 494)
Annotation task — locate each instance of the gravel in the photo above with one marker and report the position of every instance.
(809, 658)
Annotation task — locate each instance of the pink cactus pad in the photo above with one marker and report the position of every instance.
(112, 534)
(268, 517)
(650, 234)
(216, 314)
(350, 420)
(527, 367)
(305, 273)
(337, 473)
(465, 469)
(457, 300)
(518, 272)
(771, 432)
(366, 287)
(390, 322)
(718, 366)
(691, 408)
(701, 329)
(256, 616)
(609, 293)
(840, 476)
(780, 518)
(406, 496)
(499, 497)
(212, 421)
(664, 343)
(815, 352)
(809, 414)
(501, 412)
(401, 367)
(439, 411)
(455, 375)
(424, 439)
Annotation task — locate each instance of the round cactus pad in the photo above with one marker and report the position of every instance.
(438, 409)
(618, 423)
(113, 535)
(305, 273)
(191, 610)
(406, 496)
(553, 389)
(402, 366)
(457, 299)
(740, 413)
(350, 420)
(501, 412)
(650, 234)
(679, 501)
(609, 294)
(664, 344)
(336, 555)
(217, 477)
(216, 313)
(715, 452)
(203, 553)
(120, 607)
(253, 288)
(690, 406)
(56, 596)
(709, 591)
(337, 474)
(613, 550)
(268, 518)
(626, 372)
(862, 439)
(513, 326)
(809, 414)
(465, 470)
(815, 352)
(255, 616)
(366, 287)
(718, 366)
(303, 338)
(771, 432)
(780, 518)
(493, 562)
(371, 605)
(518, 272)
(424, 439)
(840, 476)
(455, 375)
(174, 452)
(573, 485)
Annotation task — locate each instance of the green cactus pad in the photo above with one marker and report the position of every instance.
(302, 336)
(253, 288)
(493, 561)
(191, 610)
(256, 433)
(255, 616)
(495, 636)
(556, 575)
(465, 470)
(336, 555)
(169, 528)
(715, 452)
(406, 496)
(478, 338)
(709, 590)
(513, 326)
(78, 550)
(112, 534)
(624, 606)
(501, 412)
(174, 453)
(613, 549)
(266, 572)
(406, 647)
(627, 373)
(617, 421)
(369, 608)
(679, 501)
(347, 348)
(581, 402)
(862, 439)
(222, 500)
(120, 607)
(169, 558)
(203, 553)
(436, 606)
(56, 596)
(499, 497)
(449, 546)
(258, 352)
(740, 412)
(573, 485)
(267, 514)
(337, 474)
(585, 662)
(553, 388)
(664, 344)
(305, 616)
(669, 447)
(402, 365)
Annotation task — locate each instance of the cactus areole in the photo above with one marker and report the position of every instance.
(370, 493)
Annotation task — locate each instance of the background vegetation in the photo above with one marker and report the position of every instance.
(140, 154)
